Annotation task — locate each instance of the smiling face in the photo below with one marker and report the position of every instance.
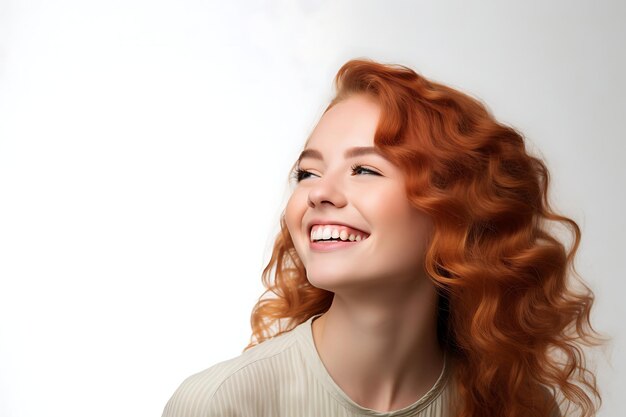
(362, 190)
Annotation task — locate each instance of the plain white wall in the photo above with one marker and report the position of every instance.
(145, 148)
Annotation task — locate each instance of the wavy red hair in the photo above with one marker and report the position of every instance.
(513, 314)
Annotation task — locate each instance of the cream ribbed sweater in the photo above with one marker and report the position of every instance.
(284, 376)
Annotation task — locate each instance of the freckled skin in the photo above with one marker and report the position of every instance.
(376, 204)
(378, 339)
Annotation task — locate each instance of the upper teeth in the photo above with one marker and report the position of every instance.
(327, 232)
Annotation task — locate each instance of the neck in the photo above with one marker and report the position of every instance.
(383, 355)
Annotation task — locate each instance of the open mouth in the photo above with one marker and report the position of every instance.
(336, 233)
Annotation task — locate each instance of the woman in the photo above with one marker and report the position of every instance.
(414, 274)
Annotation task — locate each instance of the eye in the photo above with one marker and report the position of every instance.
(357, 167)
(300, 174)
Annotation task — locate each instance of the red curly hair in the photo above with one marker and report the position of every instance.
(509, 316)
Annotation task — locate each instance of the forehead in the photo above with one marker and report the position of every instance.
(351, 122)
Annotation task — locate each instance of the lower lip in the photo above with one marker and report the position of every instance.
(331, 246)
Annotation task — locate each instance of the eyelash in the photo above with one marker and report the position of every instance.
(299, 173)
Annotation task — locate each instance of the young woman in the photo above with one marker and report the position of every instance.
(414, 274)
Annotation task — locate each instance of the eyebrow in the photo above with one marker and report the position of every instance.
(350, 153)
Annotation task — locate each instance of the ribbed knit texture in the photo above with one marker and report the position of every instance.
(285, 377)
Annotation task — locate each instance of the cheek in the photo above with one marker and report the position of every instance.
(395, 216)
(290, 215)
(387, 207)
(294, 212)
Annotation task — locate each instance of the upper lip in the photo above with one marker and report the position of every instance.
(315, 222)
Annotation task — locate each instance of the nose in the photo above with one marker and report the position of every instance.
(327, 190)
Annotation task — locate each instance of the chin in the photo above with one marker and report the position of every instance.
(324, 281)
(331, 281)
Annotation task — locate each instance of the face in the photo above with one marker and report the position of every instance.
(362, 194)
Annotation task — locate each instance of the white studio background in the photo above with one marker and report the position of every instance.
(145, 148)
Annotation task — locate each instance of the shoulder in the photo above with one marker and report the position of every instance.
(236, 383)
